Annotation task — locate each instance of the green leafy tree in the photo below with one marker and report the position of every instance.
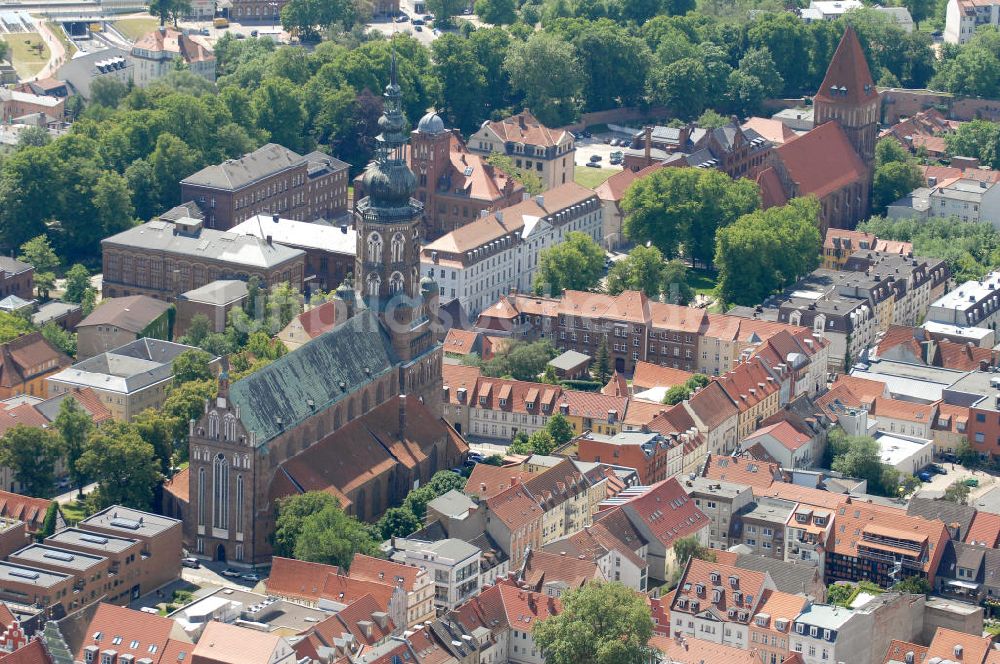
(397, 522)
(124, 466)
(30, 452)
(531, 181)
(77, 283)
(676, 394)
(600, 623)
(913, 585)
(12, 326)
(978, 138)
(675, 282)
(576, 263)
(957, 492)
(687, 547)
(602, 363)
(764, 251)
(643, 270)
(685, 207)
(547, 71)
(788, 40)
(681, 86)
(445, 10)
(313, 527)
(291, 514)
(60, 338)
(462, 80)
(560, 429)
(520, 360)
(107, 91)
(73, 425)
(539, 442)
(197, 331)
(184, 403)
(51, 519)
(34, 137)
(192, 365)
(893, 181)
(157, 428)
(497, 12)
(840, 594)
(38, 252)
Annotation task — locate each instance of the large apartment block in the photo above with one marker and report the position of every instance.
(269, 180)
(481, 261)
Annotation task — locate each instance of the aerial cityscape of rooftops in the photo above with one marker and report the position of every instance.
(499, 332)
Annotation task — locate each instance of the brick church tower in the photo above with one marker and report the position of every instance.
(848, 97)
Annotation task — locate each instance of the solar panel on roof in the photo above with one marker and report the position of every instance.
(94, 539)
(24, 573)
(126, 523)
(58, 555)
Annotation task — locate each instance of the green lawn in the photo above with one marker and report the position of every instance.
(63, 39)
(592, 177)
(702, 281)
(133, 28)
(27, 59)
(73, 512)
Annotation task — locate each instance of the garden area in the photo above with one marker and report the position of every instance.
(133, 28)
(28, 53)
(592, 177)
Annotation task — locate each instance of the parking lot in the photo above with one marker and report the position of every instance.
(955, 472)
(587, 147)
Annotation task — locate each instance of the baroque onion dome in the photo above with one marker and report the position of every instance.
(388, 180)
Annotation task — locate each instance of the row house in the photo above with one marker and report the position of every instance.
(654, 456)
(716, 417)
(689, 444)
(916, 282)
(971, 304)
(840, 244)
(636, 329)
(416, 582)
(486, 258)
(501, 408)
(754, 391)
(515, 519)
(565, 495)
(801, 358)
(761, 528)
(614, 546)
(717, 603)
(721, 502)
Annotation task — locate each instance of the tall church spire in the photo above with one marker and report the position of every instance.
(848, 96)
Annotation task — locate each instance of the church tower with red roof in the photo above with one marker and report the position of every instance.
(848, 96)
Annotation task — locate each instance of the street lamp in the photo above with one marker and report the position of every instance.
(274, 15)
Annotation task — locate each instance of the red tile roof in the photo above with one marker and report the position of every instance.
(319, 319)
(461, 342)
(712, 406)
(896, 652)
(697, 651)
(33, 653)
(27, 509)
(515, 507)
(641, 413)
(115, 623)
(222, 643)
(297, 578)
(862, 240)
(496, 478)
(351, 620)
(895, 409)
(172, 41)
(179, 485)
(648, 375)
(345, 590)
(525, 128)
(456, 376)
(772, 192)
(741, 471)
(505, 606)
(592, 405)
(849, 72)
(783, 432)
(749, 384)
(22, 414)
(974, 648)
(617, 386)
(984, 530)
(698, 589)
(775, 131)
(614, 188)
(866, 389)
(822, 161)
(542, 567)
(28, 356)
(384, 571)
(666, 512)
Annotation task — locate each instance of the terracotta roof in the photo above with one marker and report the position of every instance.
(974, 648)
(864, 388)
(697, 651)
(697, 589)
(23, 414)
(849, 73)
(346, 590)
(822, 161)
(775, 131)
(350, 621)
(595, 541)
(741, 471)
(133, 313)
(677, 317)
(525, 128)
(27, 509)
(384, 571)
(649, 375)
(319, 319)
(471, 175)
(776, 604)
(862, 240)
(515, 507)
(6, 617)
(87, 399)
(297, 578)
(617, 386)
(112, 623)
(455, 376)
(772, 192)
(801, 494)
(28, 356)
(496, 478)
(179, 485)
(541, 568)
(173, 41)
(515, 396)
(33, 653)
(909, 411)
(641, 412)
(985, 530)
(712, 406)
(749, 384)
(964, 357)
(899, 335)
(942, 173)
(505, 606)
(223, 643)
(666, 512)
(592, 405)
(614, 188)
(836, 399)
(896, 652)
(783, 432)
(459, 341)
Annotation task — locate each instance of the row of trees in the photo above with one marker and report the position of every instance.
(556, 432)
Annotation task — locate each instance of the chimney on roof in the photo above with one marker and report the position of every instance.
(402, 414)
(540, 200)
(513, 480)
(482, 487)
(275, 217)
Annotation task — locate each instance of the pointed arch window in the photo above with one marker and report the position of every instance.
(398, 247)
(374, 284)
(213, 425)
(229, 427)
(396, 283)
(239, 503)
(220, 488)
(375, 248)
(201, 496)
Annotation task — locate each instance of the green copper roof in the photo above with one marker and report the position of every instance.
(277, 397)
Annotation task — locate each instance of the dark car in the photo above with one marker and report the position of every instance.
(254, 33)
(403, 18)
(593, 164)
(936, 469)
(924, 476)
(586, 134)
(418, 21)
(428, 17)
(193, 563)
(240, 35)
(596, 157)
(418, 28)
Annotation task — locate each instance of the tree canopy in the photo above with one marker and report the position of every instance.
(313, 527)
(576, 263)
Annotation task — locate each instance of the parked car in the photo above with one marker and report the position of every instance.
(428, 17)
(936, 469)
(418, 21)
(250, 576)
(615, 161)
(231, 573)
(924, 476)
(607, 141)
(403, 18)
(971, 482)
(193, 563)
(593, 164)
(418, 28)
(596, 157)
(949, 457)
(205, 32)
(586, 134)
(239, 35)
